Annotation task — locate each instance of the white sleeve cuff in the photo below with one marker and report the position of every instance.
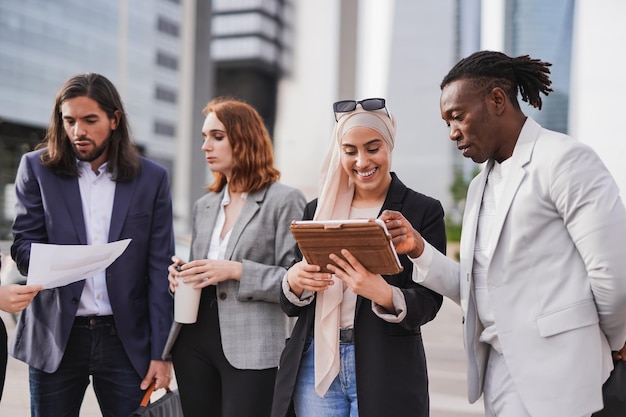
(421, 265)
(399, 304)
(305, 299)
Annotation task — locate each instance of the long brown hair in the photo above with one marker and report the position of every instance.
(253, 158)
(122, 155)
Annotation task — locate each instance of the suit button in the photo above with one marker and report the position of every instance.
(463, 320)
(223, 296)
(74, 300)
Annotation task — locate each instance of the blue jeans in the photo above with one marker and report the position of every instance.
(93, 349)
(340, 399)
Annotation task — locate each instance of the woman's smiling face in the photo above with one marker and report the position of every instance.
(366, 159)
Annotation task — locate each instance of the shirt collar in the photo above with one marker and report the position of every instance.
(86, 166)
(226, 198)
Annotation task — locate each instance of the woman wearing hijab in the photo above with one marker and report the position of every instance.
(356, 348)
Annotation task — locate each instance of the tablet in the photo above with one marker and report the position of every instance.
(367, 239)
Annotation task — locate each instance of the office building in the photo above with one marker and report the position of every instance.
(134, 43)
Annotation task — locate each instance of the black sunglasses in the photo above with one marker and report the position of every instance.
(369, 104)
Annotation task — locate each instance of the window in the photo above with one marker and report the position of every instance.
(166, 60)
(164, 128)
(169, 27)
(165, 94)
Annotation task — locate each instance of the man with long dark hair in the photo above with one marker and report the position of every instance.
(86, 184)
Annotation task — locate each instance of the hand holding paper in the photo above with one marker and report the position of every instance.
(58, 265)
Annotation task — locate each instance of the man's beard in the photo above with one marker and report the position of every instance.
(95, 153)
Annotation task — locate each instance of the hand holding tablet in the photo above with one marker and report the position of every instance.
(367, 239)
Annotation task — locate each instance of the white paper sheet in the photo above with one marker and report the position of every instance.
(58, 265)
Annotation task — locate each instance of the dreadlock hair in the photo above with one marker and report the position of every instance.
(489, 69)
(59, 156)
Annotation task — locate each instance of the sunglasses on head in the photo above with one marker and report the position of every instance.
(369, 104)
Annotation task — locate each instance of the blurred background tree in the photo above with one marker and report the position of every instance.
(454, 215)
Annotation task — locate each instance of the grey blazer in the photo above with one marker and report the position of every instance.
(262, 242)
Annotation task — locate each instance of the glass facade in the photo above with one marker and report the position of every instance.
(134, 43)
(543, 30)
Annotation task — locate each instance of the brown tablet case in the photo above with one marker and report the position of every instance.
(367, 240)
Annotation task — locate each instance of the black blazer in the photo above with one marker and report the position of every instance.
(3, 349)
(390, 361)
(3, 355)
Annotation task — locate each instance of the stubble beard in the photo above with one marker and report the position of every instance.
(95, 153)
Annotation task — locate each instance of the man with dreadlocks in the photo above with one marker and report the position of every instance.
(541, 279)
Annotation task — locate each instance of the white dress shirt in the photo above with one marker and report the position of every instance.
(483, 249)
(217, 247)
(97, 193)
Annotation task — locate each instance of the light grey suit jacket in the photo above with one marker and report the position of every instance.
(252, 323)
(557, 275)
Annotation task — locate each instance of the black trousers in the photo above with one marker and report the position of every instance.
(208, 384)
(3, 355)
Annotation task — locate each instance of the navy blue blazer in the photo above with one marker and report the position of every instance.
(49, 210)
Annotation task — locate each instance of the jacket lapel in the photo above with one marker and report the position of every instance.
(121, 204)
(509, 189)
(71, 194)
(395, 195)
(249, 209)
(470, 217)
(205, 223)
(521, 157)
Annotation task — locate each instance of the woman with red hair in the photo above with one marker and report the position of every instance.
(241, 248)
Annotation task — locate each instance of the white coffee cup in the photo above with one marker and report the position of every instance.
(186, 302)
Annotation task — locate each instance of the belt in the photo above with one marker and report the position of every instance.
(91, 321)
(346, 336)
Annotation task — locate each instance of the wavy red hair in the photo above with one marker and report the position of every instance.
(253, 158)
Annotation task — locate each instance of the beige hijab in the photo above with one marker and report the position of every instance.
(334, 202)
